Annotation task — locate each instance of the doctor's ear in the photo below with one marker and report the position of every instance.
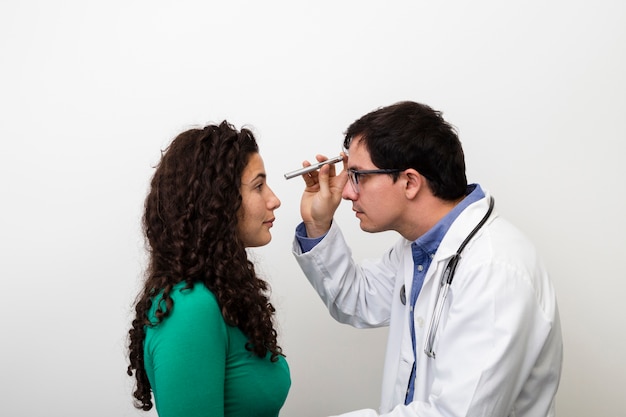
(415, 182)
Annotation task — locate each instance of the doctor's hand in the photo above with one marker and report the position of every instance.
(321, 196)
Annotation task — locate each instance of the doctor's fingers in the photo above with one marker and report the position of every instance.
(323, 176)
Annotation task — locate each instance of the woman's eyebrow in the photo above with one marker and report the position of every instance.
(262, 175)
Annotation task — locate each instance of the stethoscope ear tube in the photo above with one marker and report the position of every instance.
(473, 232)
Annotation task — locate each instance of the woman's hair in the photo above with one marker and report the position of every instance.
(190, 226)
(413, 135)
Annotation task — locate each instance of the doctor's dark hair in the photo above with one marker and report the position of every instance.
(413, 135)
(190, 225)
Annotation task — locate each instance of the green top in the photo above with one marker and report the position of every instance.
(198, 365)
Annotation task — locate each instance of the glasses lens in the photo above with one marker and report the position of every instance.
(352, 176)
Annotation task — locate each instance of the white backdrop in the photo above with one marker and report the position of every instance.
(91, 91)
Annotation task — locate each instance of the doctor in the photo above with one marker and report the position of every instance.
(474, 325)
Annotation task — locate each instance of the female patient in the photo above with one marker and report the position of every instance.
(203, 340)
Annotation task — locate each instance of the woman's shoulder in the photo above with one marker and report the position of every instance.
(195, 291)
(197, 297)
(194, 303)
(194, 323)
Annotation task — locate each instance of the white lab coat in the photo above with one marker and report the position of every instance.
(498, 346)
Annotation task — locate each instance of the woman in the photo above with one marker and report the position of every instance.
(203, 340)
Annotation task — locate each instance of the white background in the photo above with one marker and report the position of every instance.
(90, 92)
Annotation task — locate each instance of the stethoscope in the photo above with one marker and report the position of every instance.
(444, 285)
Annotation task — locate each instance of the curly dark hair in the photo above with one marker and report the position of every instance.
(190, 226)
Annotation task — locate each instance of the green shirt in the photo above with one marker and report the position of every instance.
(198, 365)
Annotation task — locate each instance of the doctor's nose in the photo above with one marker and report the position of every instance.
(348, 192)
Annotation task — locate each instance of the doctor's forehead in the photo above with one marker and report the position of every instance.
(358, 154)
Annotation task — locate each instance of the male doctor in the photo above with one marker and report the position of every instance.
(476, 334)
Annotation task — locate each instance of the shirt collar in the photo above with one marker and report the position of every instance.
(429, 241)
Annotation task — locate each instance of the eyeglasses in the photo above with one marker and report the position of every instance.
(354, 174)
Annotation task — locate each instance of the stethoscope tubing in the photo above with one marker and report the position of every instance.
(446, 281)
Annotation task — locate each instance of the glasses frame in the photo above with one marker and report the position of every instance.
(353, 175)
